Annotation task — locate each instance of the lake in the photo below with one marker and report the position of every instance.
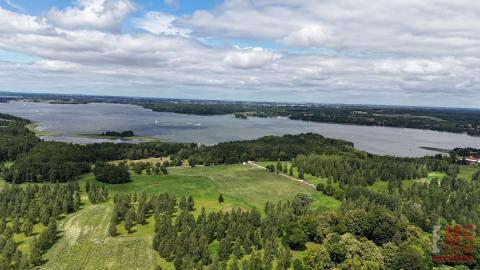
(69, 119)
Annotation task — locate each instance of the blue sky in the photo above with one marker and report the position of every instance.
(345, 51)
(185, 7)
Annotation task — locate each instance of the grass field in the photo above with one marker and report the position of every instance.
(35, 128)
(241, 185)
(85, 243)
(136, 137)
(466, 172)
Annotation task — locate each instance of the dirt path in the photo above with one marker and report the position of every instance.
(85, 244)
(288, 176)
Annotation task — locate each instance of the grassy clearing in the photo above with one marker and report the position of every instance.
(99, 136)
(466, 172)
(145, 160)
(86, 245)
(436, 149)
(34, 127)
(241, 185)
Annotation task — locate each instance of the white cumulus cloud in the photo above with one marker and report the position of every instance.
(160, 23)
(106, 15)
(250, 57)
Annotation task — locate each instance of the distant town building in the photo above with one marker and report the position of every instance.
(472, 160)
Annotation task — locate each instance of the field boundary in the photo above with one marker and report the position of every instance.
(284, 175)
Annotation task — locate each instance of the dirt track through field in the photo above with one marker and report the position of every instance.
(288, 176)
(85, 244)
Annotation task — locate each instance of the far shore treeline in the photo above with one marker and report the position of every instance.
(455, 120)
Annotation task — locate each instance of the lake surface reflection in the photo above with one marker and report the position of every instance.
(69, 120)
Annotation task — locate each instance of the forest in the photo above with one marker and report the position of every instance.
(356, 237)
(39, 161)
(22, 208)
(266, 148)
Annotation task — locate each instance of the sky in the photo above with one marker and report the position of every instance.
(401, 52)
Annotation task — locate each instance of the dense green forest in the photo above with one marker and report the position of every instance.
(113, 174)
(267, 148)
(366, 170)
(39, 161)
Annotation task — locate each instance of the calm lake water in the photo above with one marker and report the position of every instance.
(94, 118)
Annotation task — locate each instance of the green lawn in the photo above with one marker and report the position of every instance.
(85, 244)
(466, 172)
(241, 185)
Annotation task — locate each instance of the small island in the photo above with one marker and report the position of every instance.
(116, 134)
(241, 116)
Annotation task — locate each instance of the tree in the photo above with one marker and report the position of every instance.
(35, 252)
(335, 248)
(300, 203)
(77, 200)
(279, 167)
(296, 238)
(317, 258)
(140, 218)
(256, 262)
(408, 258)
(234, 265)
(356, 222)
(112, 174)
(308, 223)
(112, 227)
(390, 254)
(476, 176)
(192, 162)
(190, 203)
(297, 264)
(27, 227)
(224, 249)
(362, 251)
(284, 257)
(183, 204)
(220, 198)
(237, 248)
(129, 218)
(383, 226)
(300, 173)
(16, 224)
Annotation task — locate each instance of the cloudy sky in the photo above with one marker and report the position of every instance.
(408, 52)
